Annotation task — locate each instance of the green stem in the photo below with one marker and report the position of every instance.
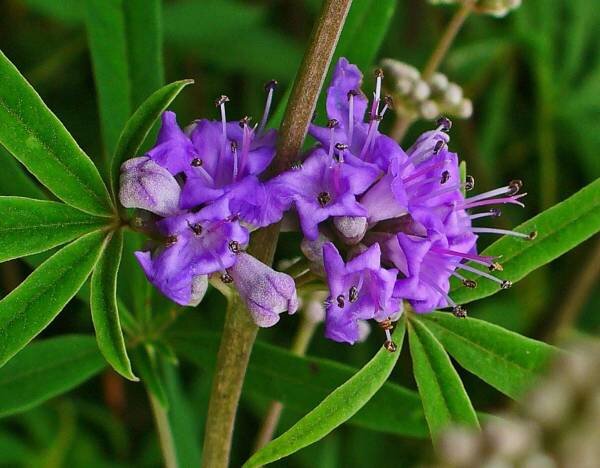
(165, 435)
(239, 332)
(402, 123)
(302, 340)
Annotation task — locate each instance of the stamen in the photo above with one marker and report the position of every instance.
(444, 123)
(482, 260)
(197, 162)
(351, 95)
(428, 196)
(501, 232)
(226, 278)
(220, 102)
(493, 201)
(429, 282)
(234, 247)
(389, 344)
(421, 183)
(353, 294)
(170, 241)
(459, 312)
(494, 212)
(425, 149)
(424, 170)
(196, 228)
(340, 301)
(270, 88)
(377, 93)
(462, 266)
(468, 283)
(245, 142)
(389, 104)
(235, 159)
(323, 198)
(509, 189)
(469, 183)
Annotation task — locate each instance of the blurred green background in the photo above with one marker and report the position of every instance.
(534, 78)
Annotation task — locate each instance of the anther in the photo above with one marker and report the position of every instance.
(445, 177)
(340, 301)
(469, 283)
(197, 162)
(245, 121)
(137, 222)
(386, 324)
(378, 73)
(459, 311)
(496, 267)
(506, 284)
(532, 235)
(221, 100)
(341, 146)
(388, 101)
(469, 183)
(323, 198)
(495, 212)
(196, 228)
(234, 146)
(376, 117)
(515, 186)
(170, 240)
(353, 294)
(234, 247)
(438, 146)
(332, 123)
(445, 123)
(352, 93)
(390, 346)
(269, 85)
(226, 278)
(296, 165)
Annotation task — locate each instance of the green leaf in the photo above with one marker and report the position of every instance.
(14, 180)
(29, 308)
(47, 368)
(146, 364)
(559, 229)
(105, 313)
(125, 38)
(301, 383)
(336, 409)
(143, 25)
(141, 122)
(33, 134)
(31, 226)
(444, 398)
(505, 360)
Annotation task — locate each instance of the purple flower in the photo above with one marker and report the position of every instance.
(322, 188)
(148, 186)
(359, 290)
(266, 292)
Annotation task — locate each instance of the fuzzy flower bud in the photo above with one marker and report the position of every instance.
(266, 292)
(148, 186)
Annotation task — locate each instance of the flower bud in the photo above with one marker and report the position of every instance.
(351, 228)
(148, 186)
(266, 292)
(199, 288)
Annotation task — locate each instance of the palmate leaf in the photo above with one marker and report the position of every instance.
(444, 398)
(103, 303)
(505, 360)
(45, 369)
(33, 134)
(559, 229)
(126, 47)
(31, 226)
(301, 383)
(141, 122)
(334, 410)
(29, 308)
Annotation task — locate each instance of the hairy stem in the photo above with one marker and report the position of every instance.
(239, 332)
(165, 435)
(299, 346)
(402, 124)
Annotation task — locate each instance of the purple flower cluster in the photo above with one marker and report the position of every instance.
(400, 218)
(203, 190)
(383, 225)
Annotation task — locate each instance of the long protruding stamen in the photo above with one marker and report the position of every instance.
(505, 284)
(442, 179)
(373, 125)
(481, 259)
(377, 93)
(351, 94)
(512, 188)
(246, 133)
(505, 232)
(197, 164)
(495, 213)
(270, 88)
(492, 201)
(427, 151)
(331, 124)
(452, 188)
(221, 104)
(341, 147)
(389, 104)
(429, 167)
(431, 283)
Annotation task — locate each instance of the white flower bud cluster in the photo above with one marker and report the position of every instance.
(415, 97)
(497, 8)
(556, 424)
